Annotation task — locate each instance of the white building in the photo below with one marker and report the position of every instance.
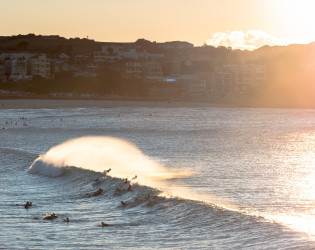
(248, 76)
(223, 81)
(152, 70)
(19, 66)
(100, 56)
(15, 65)
(133, 69)
(39, 65)
(134, 54)
(115, 53)
(239, 78)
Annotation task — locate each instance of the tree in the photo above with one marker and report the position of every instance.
(22, 45)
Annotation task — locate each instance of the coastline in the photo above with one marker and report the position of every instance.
(38, 102)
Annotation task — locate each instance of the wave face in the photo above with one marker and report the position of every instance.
(150, 206)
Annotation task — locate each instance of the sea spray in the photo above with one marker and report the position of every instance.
(101, 153)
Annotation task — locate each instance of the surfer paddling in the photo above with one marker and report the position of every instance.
(98, 192)
(105, 224)
(51, 217)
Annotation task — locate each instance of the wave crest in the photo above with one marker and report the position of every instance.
(42, 167)
(98, 153)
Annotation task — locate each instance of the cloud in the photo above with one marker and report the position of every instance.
(250, 40)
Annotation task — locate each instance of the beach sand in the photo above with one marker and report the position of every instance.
(61, 103)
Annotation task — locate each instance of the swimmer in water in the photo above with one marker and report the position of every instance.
(66, 220)
(124, 204)
(28, 204)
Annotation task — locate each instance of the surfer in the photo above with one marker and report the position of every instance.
(105, 224)
(98, 192)
(107, 171)
(129, 188)
(126, 181)
(48, 217)
(135, 177)
(117, 191)
(51, 217)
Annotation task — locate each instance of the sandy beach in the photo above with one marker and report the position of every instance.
(61, 103)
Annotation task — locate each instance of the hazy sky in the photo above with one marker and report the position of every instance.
(196, 21)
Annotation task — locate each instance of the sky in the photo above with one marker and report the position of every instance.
(245, 24)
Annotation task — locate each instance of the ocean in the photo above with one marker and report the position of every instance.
(203, 178)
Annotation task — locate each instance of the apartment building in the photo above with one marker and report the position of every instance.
(39, 65)
(238, 78)
(115, 53)
(152, 70)
(132, 68)
(16, 66)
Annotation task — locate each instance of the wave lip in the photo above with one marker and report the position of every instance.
(98, 153)
(43, 167)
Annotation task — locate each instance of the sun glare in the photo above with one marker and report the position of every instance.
(297, 16)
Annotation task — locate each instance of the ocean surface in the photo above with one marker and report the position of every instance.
(211, 178)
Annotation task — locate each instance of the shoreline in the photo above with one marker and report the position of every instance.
(24, 102)
(44, 102)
